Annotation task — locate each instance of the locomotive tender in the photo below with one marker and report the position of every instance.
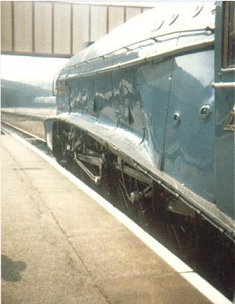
(148, 111)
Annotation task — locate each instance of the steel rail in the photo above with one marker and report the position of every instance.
(38, 117)
(31, 135)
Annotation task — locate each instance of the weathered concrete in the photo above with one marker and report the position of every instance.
(59, 246)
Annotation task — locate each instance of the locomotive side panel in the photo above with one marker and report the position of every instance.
(104, 103)
(224, 106)
(190, 147)
(225, 151)
(154, 81)
(62, 92)
(162, 103)
(128, 103)
(82, 95)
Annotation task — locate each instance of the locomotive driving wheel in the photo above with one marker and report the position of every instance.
(133, 199)
(60, 141)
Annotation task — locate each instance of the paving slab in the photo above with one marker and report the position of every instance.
(60, 246)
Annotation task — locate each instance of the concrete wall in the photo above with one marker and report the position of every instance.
(57, 28)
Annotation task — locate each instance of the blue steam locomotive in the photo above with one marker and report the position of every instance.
(147, 112)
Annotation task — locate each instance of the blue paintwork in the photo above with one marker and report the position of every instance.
(224, 139)
(189, 145)
(161, 113)
(154, 80)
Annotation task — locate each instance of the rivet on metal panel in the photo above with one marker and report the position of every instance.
(204, 111)
(177, 117)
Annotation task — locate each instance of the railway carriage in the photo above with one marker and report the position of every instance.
(147, 113)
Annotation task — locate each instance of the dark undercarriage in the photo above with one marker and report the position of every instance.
(150, 204)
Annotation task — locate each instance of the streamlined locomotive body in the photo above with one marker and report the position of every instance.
(148, 113)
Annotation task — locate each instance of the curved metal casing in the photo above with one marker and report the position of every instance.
(145, 90)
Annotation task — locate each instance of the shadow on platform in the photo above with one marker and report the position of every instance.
(11, 269)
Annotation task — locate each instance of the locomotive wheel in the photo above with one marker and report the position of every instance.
(137, 211)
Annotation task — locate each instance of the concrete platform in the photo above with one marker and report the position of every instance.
(60, 247)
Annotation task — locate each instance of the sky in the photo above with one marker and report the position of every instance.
(31, 70)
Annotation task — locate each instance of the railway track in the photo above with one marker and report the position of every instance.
(31, 138)
(22, 132)
(214, 264)
(25, 122)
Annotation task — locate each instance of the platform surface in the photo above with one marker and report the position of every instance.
(60, 247)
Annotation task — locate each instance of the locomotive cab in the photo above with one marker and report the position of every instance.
(224, 86)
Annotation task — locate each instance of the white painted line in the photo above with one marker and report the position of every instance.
(205, 288)
(179, 266)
